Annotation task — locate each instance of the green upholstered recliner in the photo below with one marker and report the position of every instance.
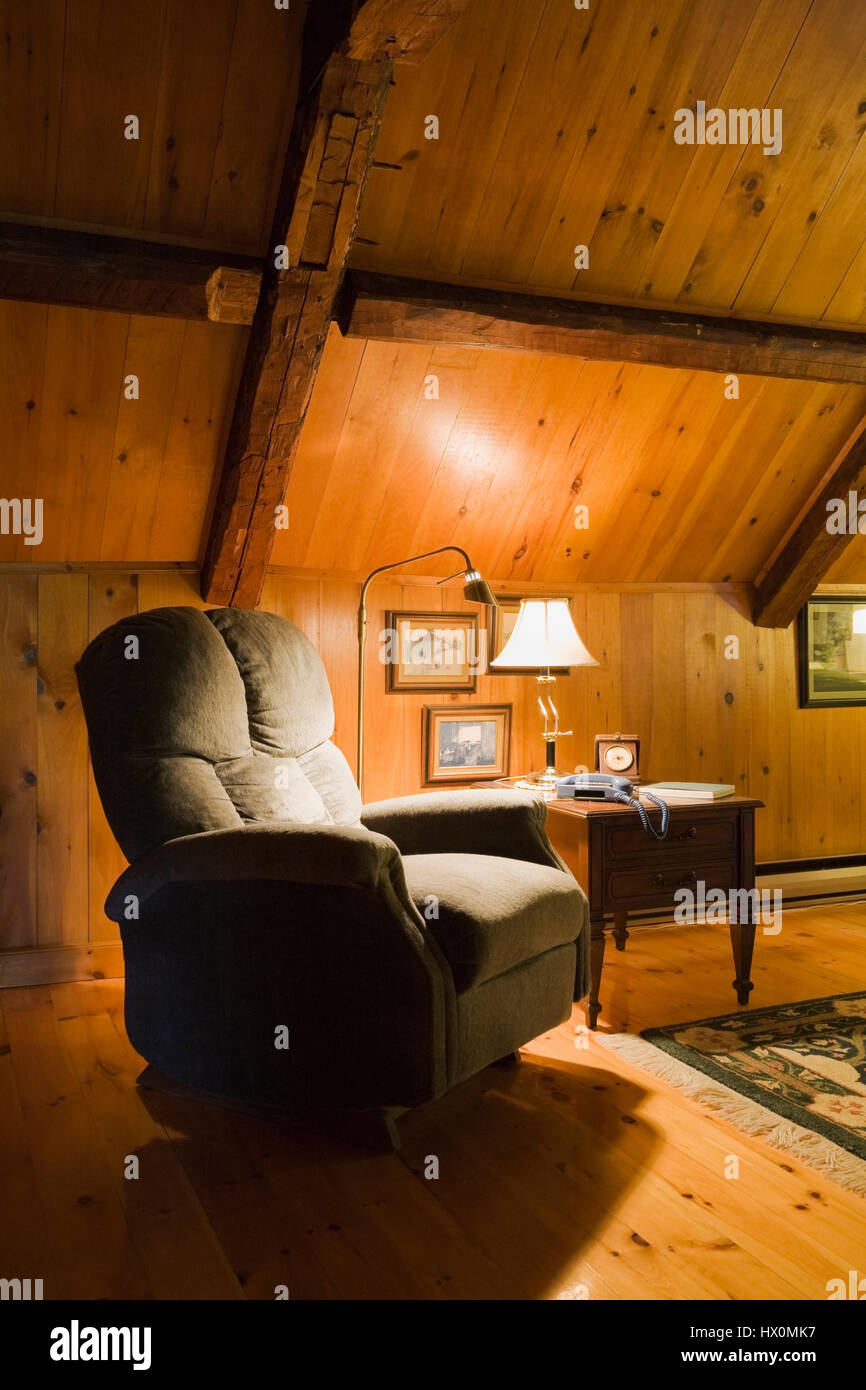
(404, 945)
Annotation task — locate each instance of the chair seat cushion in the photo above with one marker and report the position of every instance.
(493, 913)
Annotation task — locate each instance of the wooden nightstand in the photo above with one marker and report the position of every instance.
(622, 870)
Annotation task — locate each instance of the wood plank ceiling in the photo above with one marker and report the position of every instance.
(213, 84)
(680, 483)
(120, 479)
(555, 129)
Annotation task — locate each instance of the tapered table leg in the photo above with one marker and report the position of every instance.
(742, 944)
(620, 929)
(596, 964)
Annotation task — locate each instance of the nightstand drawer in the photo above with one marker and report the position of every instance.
(689, 833)
(655, 885)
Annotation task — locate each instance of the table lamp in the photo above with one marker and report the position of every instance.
(545, 636)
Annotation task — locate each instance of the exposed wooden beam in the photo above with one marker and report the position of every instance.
(738, 591)
(394, 308)
(347, 63)
(329, 153)
(50, 265)
(805, 554)
(405, 29)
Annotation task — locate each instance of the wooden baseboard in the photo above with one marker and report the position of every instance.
(54, 965)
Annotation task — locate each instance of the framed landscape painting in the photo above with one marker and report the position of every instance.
(831, 651)
(465, 745)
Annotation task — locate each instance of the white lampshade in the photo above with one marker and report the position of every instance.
(860, 620)
(544, 635)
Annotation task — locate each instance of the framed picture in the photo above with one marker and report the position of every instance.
(465, 745)
(831, 651)
(432, 652)
(502, 621)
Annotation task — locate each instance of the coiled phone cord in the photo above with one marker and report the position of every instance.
(645, 821)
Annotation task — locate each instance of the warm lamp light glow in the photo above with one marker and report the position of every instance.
(544, 635)
(859, 621)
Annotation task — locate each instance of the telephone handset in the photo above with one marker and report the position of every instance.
(598, 786)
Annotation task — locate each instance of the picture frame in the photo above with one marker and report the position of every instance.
(831, 651)
(465, 744)
(502, 620)
(432, 652)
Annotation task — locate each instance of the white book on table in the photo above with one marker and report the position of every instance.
(691, 791)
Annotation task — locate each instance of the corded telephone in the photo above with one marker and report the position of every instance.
(598, 786)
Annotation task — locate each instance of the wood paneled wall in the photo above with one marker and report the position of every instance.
(663, 674)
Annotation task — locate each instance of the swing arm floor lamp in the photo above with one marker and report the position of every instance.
(475, 589)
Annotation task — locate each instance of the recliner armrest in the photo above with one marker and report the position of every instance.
(501, 821)
(236, 930)
(342, 855)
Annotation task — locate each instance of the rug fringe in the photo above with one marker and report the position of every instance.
(748, 1115)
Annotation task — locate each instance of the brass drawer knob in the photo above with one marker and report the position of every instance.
(690, 877)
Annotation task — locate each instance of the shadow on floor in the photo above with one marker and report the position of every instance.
(499, 1189)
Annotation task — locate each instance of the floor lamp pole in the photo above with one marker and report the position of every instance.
(474, 589)
(362, 642)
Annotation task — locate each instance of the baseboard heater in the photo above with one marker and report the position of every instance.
(777, 870)
(808, 866)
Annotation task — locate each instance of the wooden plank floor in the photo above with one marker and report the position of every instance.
(574, 1172)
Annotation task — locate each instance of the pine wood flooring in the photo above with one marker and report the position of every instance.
(573, 1175)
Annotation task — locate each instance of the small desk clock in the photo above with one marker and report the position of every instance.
(618, 754)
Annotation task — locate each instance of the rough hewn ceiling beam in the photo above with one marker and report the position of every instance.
(405, 29)
(812, 544)
(337, 118)
(394, 308)
(50, 265)
(345, 74)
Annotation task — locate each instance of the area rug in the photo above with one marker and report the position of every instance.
(793, 1074)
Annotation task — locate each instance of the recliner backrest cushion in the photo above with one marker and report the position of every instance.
(264, 789)
(288, 699)
(289, 705)
(164, 702)
(208, 720)
(326, 767)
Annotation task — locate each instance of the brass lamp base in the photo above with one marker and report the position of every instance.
(544, 781)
